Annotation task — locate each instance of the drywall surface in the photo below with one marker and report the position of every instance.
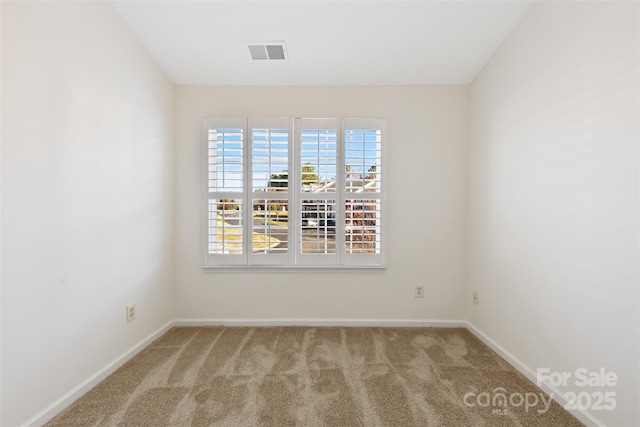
(553, 197)
(427, 136)
(87, 153)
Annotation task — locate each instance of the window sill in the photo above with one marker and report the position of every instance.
(376, 269)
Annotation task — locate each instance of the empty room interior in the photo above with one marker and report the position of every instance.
(320, 213)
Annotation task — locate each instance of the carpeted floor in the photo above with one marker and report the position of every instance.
(304, 376)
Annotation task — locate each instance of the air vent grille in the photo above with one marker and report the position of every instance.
(270, 51)
(258, 52)
(275, 51)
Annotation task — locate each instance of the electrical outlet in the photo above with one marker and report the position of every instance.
(131, 312)
(419, 291)
(476, 300)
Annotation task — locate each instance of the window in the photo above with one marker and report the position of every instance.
(294, 192)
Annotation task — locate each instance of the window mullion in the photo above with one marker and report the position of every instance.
(294, 208)
(340, 197)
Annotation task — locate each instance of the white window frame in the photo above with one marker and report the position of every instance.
(294, 259)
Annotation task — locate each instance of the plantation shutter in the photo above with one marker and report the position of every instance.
(271, 209)
(317, 191)
(364, 195)
(308, 193)
(226, 240)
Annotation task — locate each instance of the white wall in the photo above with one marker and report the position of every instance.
(427, 153)
(87, 188)
(553, 194)
(0, 211)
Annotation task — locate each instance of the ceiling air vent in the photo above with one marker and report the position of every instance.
(270, 51)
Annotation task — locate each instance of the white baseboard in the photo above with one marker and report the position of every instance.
(388, 323)
(56, 407)
(557, 395)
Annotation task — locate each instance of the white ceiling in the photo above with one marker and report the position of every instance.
(328, 42)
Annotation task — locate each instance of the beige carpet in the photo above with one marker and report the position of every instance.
(303, 376)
